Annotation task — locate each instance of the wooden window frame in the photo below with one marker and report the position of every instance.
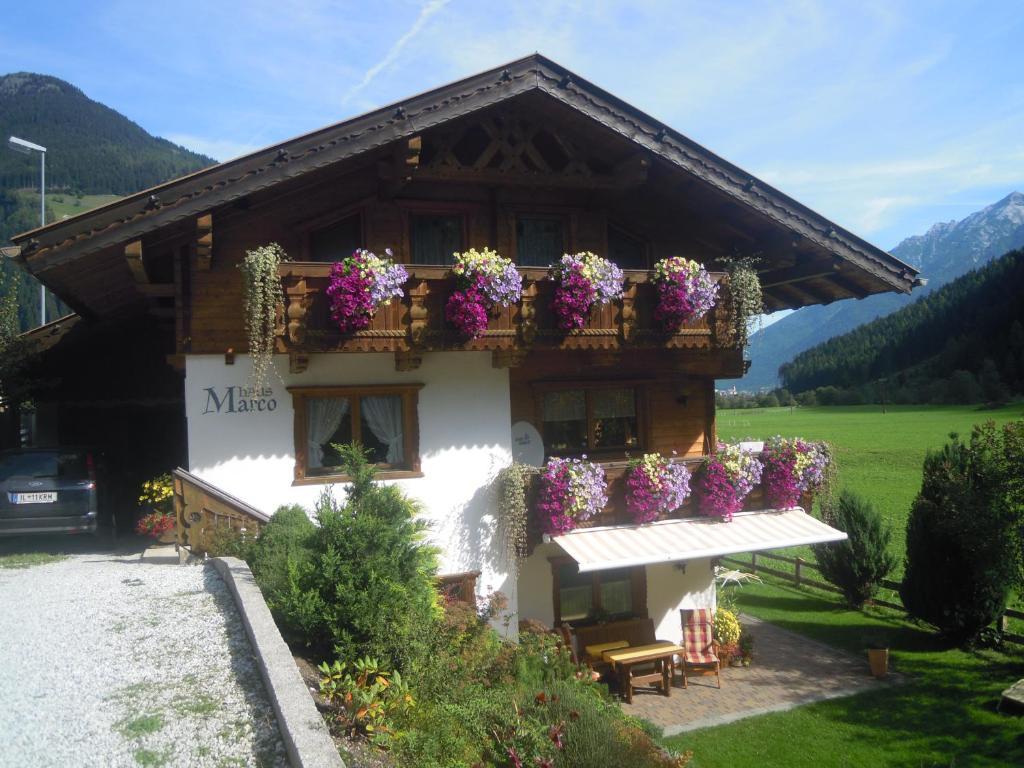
(568, 218)
(459, 586)
(648, 252)
(638, 590)
(642, 423)
(412, 208)
(308, 227)
(410, 428)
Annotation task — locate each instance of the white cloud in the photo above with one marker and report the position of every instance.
(429, 9)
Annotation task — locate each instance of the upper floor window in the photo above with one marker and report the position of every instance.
(578, 420)
(436, 237)
(338, 240)
(626, 250)
(540, 240)
(381, 419)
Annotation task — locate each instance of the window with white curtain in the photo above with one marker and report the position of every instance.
(382, 419)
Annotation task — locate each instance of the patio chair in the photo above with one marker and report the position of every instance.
(564, 632)
(698, 640)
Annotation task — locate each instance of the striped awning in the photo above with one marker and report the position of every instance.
(597, 549)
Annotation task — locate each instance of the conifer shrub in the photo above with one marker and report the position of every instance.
(859, 564)
(964, 532)
(279, 559)
(362, 581)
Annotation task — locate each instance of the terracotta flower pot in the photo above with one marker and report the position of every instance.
(878, 658)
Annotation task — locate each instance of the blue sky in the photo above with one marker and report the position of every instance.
(884, 116)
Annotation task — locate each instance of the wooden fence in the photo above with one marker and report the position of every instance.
(798, 576)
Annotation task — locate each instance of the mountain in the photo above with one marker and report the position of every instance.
(960, 343)
(92, 150)
(90, 147)
(943, 253)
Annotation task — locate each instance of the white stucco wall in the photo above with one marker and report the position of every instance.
(465, 438)
(668, 590)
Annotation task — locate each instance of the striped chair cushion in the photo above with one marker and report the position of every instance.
(698, 637)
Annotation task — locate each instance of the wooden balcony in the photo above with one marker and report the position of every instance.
(416, 323)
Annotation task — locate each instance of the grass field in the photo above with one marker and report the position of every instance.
(878, 454)
(61, 205)
(942, 714)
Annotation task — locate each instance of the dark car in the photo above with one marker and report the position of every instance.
(47, 490)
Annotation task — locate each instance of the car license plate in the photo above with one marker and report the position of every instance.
(34, 498)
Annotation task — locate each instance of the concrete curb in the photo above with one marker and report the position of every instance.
(303, 730)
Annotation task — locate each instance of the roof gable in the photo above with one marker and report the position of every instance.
(190, 196)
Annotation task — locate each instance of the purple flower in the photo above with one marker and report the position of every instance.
(359, 285)
(728, 476)
(584, 279)
(571, 492)
(791, 468)
(655, 487)
(485, 280)
(685, 292)
(466, 310)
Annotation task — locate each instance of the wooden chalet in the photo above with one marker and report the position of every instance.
(529, 159)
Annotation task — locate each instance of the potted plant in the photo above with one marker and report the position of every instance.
(685, 292)
(584, 280)
(726, 633)
(485, 282)
(878, 654)
(728, 475)
(156, 500)
(746, 647)
(655, 487)
(572, 491)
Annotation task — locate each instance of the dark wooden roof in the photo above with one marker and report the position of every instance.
(88, 234)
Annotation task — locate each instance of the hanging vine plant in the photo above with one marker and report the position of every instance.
(263, 294)
(747, 297)
(510, 488)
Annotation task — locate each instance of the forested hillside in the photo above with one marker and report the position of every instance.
(961, 343)
(91, 150)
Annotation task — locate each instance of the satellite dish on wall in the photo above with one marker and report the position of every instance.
(527, 447)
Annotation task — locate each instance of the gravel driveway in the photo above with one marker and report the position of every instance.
(107, 661)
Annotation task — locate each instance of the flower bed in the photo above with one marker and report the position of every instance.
(728, 476)
(685, 292)
(791, 468)
(572, 491)
(360, 285)
(655, 487)
(485, 280)
(584, 279)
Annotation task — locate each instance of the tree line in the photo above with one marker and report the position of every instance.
(963, 343)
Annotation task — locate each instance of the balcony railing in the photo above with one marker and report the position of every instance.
(417, 323)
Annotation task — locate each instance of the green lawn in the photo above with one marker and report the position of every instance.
(28, 559)
(60, 205)
(942, 715)
(879, 454)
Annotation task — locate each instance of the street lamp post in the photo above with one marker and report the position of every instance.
(27, 148)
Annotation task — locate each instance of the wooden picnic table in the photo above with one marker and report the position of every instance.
(659, 653)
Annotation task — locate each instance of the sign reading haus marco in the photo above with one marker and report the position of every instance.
(235, 399)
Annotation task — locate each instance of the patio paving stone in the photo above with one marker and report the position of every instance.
(788, 670)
